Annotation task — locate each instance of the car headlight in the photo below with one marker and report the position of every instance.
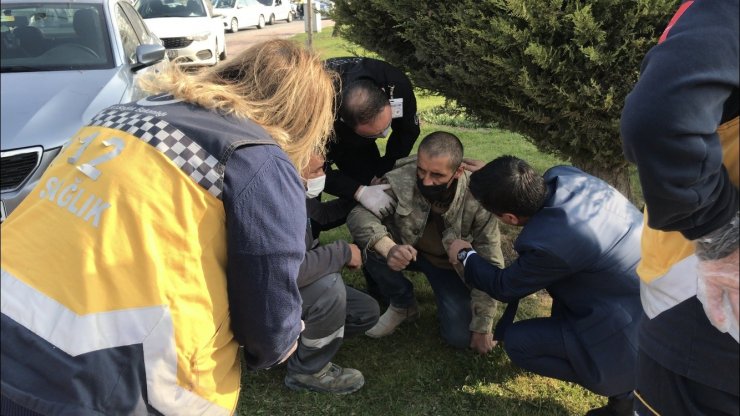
(199, 36)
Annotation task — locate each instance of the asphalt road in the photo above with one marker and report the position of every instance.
(236, 42)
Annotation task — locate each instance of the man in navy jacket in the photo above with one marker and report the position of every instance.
(580, 241)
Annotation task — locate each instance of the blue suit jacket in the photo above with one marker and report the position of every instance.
(582, 247)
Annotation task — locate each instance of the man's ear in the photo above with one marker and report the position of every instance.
(510, 219)
(458, 172)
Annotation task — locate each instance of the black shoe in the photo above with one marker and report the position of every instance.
(616, 406)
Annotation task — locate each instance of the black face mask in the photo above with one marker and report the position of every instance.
(437, 193)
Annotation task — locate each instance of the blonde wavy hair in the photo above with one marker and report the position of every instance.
(278, 84)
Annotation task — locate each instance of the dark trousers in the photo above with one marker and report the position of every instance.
(331, 312)
(662, 392)
(539, 345)
(451, 294)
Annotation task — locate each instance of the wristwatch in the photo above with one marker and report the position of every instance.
(462, 255)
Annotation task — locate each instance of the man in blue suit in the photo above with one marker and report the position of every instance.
(580, 241)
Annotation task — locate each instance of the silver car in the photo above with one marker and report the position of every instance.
(62, 62)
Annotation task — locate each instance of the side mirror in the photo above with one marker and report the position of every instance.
(148, 55)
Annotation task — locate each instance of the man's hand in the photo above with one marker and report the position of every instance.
(356, 260)
(399, 256)
(482, 343)
(472, 165)
(375, 199)
(376, 180)
(718, 290)
(293, 347)
(455, 248)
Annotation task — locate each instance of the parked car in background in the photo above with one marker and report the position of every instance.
(61, 63)
(242, 14)
(279, 10)
(191, 30)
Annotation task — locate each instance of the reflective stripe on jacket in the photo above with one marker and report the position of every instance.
(127, 310)
(668, 257)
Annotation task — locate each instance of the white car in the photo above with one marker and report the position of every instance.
(62, 62)
(279, 10)
(189, 29)
(241, 14)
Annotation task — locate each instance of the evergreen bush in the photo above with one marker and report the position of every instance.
(557, 72)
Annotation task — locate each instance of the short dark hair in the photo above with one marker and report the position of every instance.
(509, 185)
(442, 143)
(362, 101)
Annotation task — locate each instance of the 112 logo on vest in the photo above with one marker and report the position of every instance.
(69, 195)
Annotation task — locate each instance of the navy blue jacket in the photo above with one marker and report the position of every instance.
(688, 87)
(582, 247)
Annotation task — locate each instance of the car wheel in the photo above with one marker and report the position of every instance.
(261, 22)
(272, 20)
(234, 25)
(223, 55)
(290, 17)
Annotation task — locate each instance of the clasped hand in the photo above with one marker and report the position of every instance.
(400, 256)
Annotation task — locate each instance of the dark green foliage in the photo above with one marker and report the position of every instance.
(556, 72)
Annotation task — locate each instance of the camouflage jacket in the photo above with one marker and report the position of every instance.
(465, 219)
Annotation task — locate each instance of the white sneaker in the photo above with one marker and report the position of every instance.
(390, 320)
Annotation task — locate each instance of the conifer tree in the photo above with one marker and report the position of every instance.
(555, 71)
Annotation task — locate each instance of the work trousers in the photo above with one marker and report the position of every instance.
(660, 391)
(331, 312)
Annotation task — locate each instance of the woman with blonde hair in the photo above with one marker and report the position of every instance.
(178, 232)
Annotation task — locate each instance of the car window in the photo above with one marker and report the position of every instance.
(141, 29)
(54, 36)
(128, 36)
(226, 4)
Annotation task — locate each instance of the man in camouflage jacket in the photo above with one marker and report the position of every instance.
(432, 208)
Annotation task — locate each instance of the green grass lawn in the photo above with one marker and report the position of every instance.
(413, 372)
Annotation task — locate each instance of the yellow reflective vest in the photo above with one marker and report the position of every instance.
(118, 253)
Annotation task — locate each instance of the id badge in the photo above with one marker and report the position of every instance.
(396, 107)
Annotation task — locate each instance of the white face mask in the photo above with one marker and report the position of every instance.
(315, 186)
(382, 135)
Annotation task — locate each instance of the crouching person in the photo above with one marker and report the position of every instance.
(580, 241)
(130, 290)
(432, 208)
(331, 310)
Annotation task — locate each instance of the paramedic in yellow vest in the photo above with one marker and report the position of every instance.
(168, 232)
(680, 126)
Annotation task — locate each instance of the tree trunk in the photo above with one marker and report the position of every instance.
(617, 176)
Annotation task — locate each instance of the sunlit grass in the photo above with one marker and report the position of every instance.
(413, 372)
